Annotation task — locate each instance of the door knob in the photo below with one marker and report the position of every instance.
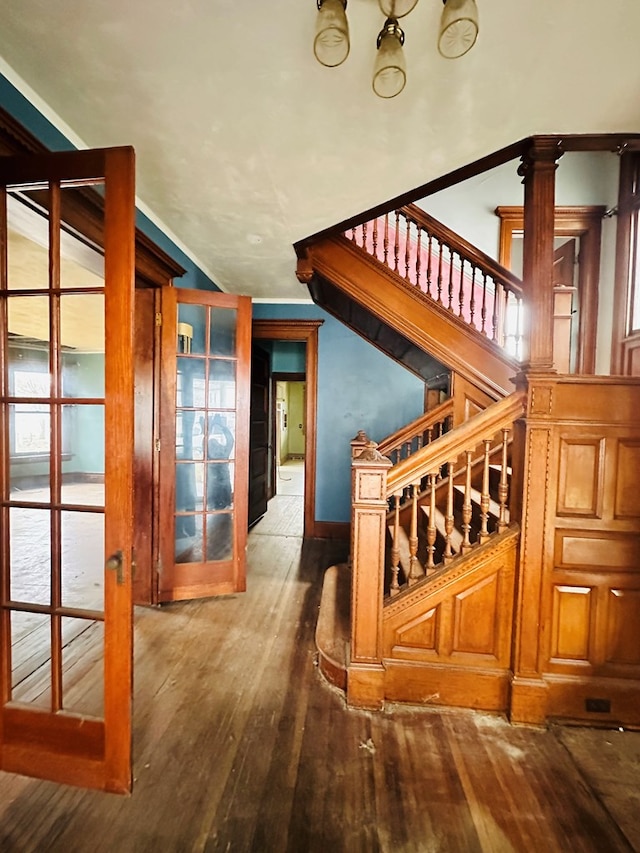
(115, 564)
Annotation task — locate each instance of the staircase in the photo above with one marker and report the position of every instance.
(438, 305)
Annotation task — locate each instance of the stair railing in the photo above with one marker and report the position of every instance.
(455, 462)
(420, 432)
(449, 270)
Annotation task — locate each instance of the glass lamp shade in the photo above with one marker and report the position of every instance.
(397, 8)
(389, 70)
(331, 44)
(458, 28)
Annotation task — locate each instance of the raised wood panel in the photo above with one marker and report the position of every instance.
(596, 551)
(571, 623)
(623, 621)
(437, 684)
(627, 495)
(421, 633)
(369, 487)
(475, 620)
(631, 356)
(581, 479)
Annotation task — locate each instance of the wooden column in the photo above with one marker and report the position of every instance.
(538, 169)
(365, 678)
(533, 486)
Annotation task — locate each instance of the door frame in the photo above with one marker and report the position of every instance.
(585, 223)
(305, 331)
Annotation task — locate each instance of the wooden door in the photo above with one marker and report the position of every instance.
(204, 444)
(565, 319)
(66, 471)
(259, 469)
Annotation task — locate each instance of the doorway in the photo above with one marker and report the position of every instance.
(304, 394)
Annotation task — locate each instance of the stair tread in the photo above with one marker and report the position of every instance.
(456, 536)
(476, 498)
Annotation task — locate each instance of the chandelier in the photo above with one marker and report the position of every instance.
(457, 35)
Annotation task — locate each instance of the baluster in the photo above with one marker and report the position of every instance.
(374, 239)
(503, 488)
(517, 302)
(450, 287)
(494, 318)
(364, 236)
(429, 246)
(472, 303)
(396, 244)
(415, 569)
(407, 250)
(394, 589)
(429, 434)
(484, 497)
(353, 236)
(431, 525)
(483, 310)
(407, 449)
(466, 506)
(386, 239)
(439, 282)
(461, 294)
(418, 256)
(505, 320)
(448, 521)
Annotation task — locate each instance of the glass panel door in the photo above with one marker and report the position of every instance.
(66, 472)
(206, 343)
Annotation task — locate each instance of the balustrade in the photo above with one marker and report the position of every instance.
(445, 268)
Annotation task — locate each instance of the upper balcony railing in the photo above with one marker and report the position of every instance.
(448, 270)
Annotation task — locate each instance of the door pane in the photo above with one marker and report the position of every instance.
(27, 245)
(82, 666)
(222, 331)
(82, 561)
(31, 659)
(191, 329)
(30, 555)
(83, 455)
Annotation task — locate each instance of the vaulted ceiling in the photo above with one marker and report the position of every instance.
(245, 144)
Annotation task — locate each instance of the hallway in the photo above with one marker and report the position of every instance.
(240, 746)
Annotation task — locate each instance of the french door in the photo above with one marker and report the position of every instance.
(66, 470)
(205, 388)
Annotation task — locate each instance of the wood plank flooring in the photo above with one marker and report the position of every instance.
(239, 745)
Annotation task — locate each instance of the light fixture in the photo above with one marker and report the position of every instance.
(331, 44)
(457, 35)
(389, 70)
(458, 28)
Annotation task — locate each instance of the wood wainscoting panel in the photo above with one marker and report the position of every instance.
(627, 495)
(572, 620)
(420, 633)
(622, 645)
(602, 551)
(581, 476)
(475, 618)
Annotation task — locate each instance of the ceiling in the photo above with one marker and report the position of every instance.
(245, 144)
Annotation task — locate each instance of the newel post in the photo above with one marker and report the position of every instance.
(365, 678)
(538, 168)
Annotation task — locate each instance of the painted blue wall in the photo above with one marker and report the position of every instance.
(23, 111)
(288, 357)
(358, 388)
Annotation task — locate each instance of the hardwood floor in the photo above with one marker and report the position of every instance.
(240, 745)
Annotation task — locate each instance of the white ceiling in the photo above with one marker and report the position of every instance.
(245, 144)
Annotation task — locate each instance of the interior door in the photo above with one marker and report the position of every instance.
(259, 434)
(66, 471)
(565, 307)
(204, 444)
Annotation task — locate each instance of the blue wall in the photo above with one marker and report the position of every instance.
(23, 111)
(358, 388)
(288, 357)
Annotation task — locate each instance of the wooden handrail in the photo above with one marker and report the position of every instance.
(417, 427)
(446, 449)
(465, 249)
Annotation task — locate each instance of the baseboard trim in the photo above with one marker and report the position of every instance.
(331, 530)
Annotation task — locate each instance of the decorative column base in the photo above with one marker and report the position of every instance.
(528, 701)
(365, 686)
